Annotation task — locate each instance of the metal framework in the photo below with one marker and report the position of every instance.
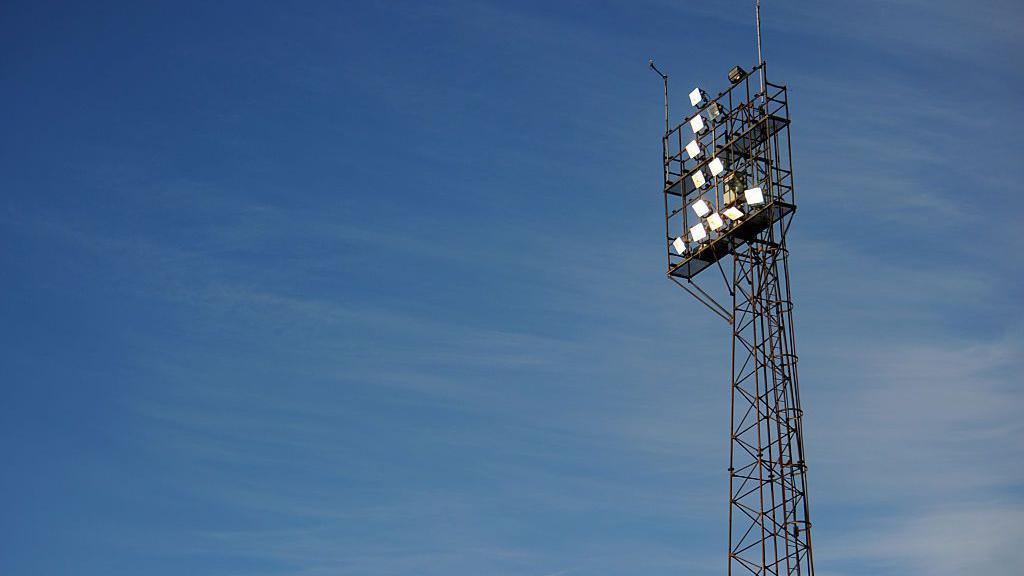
(746, 129)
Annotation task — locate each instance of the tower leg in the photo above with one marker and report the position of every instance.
(769, 527)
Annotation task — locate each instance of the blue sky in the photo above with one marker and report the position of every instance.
(377, 289)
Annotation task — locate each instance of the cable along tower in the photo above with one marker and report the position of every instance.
(729, 201)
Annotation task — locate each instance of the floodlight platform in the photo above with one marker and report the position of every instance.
(738, 235)
(748, 137)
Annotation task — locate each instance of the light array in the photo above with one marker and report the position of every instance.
(711, 220)
(714, 221)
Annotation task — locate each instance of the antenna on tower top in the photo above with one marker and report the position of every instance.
(760, 59)
(664, 78)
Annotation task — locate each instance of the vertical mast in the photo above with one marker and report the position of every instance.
(729, 202)
(760, 59)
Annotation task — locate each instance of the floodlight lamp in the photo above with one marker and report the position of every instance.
(680, 245)
(696, 96)
(697, 123)
(701, 208)
(736, 74)
(693, 149)
(714, 110)
(698, 233)
(715, 221)
(716, 167)
(698, 179)
(733, 213)
(754, 196)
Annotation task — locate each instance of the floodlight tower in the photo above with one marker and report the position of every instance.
(729, 201)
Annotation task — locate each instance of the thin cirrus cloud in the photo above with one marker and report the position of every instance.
(409, 318)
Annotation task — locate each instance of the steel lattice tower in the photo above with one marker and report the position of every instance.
(729, 201)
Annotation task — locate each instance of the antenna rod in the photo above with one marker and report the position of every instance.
(760, 60)
(664, 78)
